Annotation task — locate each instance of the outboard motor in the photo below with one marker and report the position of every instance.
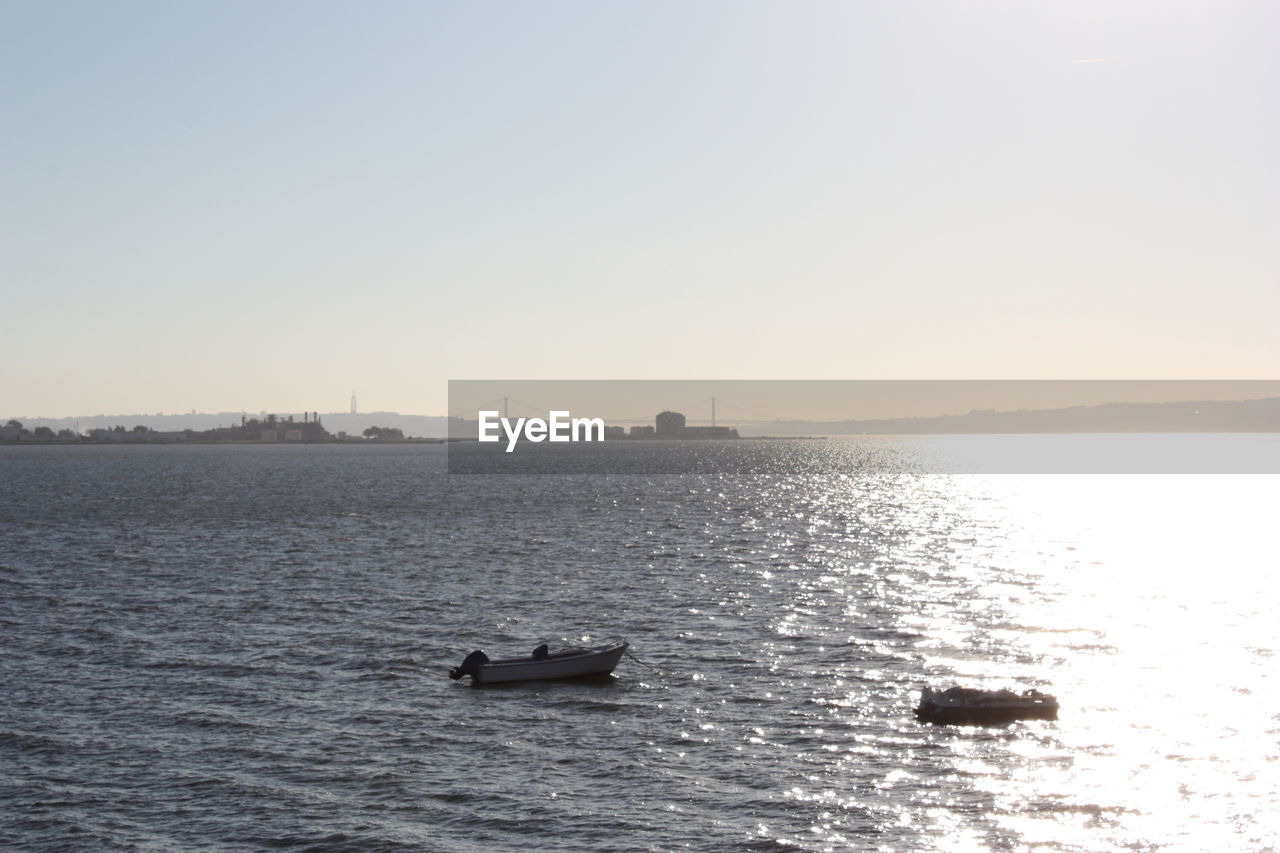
(470, 665)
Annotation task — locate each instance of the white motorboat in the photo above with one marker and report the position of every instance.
(544, 663)
(973, 707)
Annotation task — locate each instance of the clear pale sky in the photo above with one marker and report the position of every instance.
(263, 206)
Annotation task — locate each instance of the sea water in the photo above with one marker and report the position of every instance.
(244, 648)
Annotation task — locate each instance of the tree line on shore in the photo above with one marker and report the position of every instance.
(14, 430)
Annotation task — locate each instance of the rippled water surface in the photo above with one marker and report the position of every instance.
(244, 648)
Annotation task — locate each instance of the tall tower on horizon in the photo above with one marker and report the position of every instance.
(353, 402)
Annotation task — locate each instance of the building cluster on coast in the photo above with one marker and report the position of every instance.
(670, 425)
(271, 429)
(267, 429)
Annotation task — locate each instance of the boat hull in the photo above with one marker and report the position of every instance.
(984, 716)
(963, 706)
(586, 663)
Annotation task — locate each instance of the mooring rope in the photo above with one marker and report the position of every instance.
(629, 654)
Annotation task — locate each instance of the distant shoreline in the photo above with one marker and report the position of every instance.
(1257, 416)
(351, 442)
(73, 442)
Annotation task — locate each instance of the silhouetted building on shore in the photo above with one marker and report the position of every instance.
(670, 424)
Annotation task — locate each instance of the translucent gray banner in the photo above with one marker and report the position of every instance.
(863, 427)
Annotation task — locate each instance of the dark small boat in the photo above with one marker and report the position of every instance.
(968, 706)
(544, 663)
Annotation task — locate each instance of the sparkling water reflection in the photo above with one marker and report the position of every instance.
(244, 647)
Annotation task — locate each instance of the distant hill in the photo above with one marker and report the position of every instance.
(1204, 416)
(413, 426)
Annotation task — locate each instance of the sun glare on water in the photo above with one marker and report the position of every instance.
(1153, 623)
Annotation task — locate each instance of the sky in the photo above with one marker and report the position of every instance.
(264, 207)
